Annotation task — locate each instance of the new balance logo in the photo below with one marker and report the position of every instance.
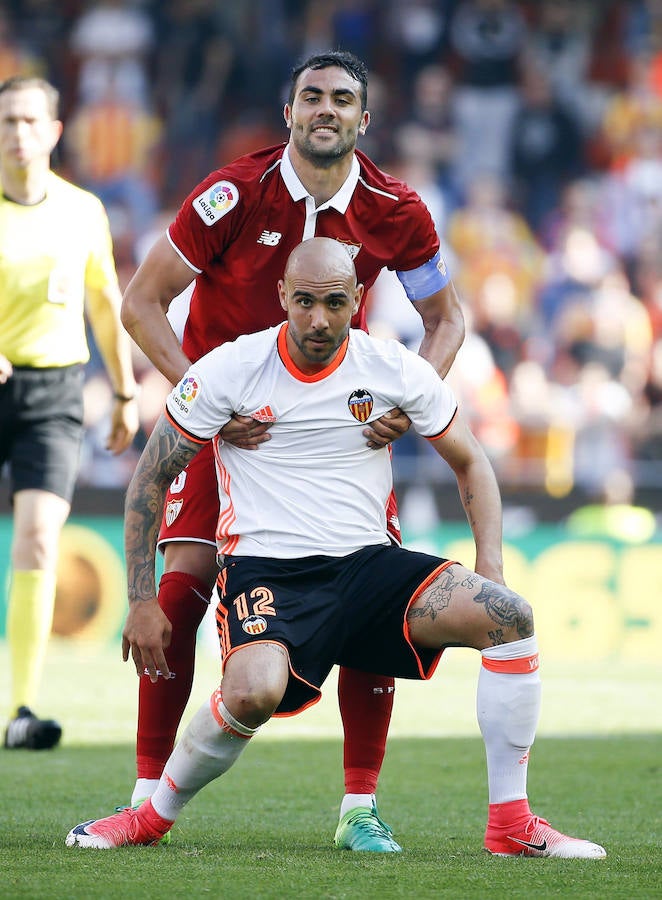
(270, 238)
(265, 414)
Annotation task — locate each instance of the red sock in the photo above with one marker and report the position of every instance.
(149, 817)
(506, 815)
(365, 702)
(161, 705)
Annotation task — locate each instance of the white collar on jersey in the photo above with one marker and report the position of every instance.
(339, 201)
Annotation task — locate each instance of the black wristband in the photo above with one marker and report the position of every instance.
(123, 398)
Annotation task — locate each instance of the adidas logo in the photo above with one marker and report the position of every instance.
(265, 414)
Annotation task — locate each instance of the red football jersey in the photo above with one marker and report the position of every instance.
(238, 227)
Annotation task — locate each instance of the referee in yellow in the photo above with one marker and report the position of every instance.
(56, 267)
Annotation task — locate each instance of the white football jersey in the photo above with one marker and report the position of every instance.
(315, 487)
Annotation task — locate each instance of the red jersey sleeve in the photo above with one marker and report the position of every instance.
(216, 209)
(203, 225)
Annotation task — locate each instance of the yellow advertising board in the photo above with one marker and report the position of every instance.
(593, 599)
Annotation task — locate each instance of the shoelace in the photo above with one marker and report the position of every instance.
(369, 820)
(533, 824)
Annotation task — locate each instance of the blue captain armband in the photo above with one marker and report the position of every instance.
(427, 279)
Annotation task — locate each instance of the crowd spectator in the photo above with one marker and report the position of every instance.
(418, 31)
(112, 146)
(580, 206)
(487, 39)
(488, 237)
(546, 150)
(559, 46)
(635, 108)
(428, 134)
(112, 41)
(42, 27)
(16, 57)
(195, 60)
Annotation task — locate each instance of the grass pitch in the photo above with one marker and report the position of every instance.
(265, 829)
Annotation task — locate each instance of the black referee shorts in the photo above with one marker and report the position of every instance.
(41, 428)
(348, 610)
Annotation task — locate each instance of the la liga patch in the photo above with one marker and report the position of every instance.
(216, 201)
(185, 393)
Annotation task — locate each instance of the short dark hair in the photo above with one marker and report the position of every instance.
(28, 82)
(343, 59)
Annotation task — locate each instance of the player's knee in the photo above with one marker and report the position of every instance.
(35, 549)
(515, 614)
(252, 704)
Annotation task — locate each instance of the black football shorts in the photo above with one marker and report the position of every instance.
(326, 610)
(41, 428)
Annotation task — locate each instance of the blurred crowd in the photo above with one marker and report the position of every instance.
(533, 131)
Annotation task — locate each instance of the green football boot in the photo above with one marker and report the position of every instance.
(362, 829)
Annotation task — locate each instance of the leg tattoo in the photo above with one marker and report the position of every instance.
(506, 608)
(437, 596)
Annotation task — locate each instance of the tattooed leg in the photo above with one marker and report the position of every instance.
(463, 609)
(506, 608)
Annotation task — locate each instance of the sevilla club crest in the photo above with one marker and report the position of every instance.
(173, 509)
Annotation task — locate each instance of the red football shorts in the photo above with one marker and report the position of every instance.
(191, 506)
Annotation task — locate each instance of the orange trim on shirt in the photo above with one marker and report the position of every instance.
(435, 437)
(226, 542)
(181, 430)
(296, 372)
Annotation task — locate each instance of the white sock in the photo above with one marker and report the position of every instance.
(508, 707)
(144, 787)
(210, 744)
(351, 801)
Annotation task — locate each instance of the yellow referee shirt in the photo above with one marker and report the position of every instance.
(49, 254)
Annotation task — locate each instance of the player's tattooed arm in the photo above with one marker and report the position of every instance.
(166, 453)
(467, 498)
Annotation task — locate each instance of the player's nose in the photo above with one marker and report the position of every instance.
(325, 107)
(319, 319)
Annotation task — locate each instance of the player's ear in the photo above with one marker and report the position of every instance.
(282, 296)
(365, 121)
(287, 115)
(357, 298)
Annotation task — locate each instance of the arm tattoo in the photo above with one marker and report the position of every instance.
(166, 453)
(468, 497)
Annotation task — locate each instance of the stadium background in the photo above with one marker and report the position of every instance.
(534, 132)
